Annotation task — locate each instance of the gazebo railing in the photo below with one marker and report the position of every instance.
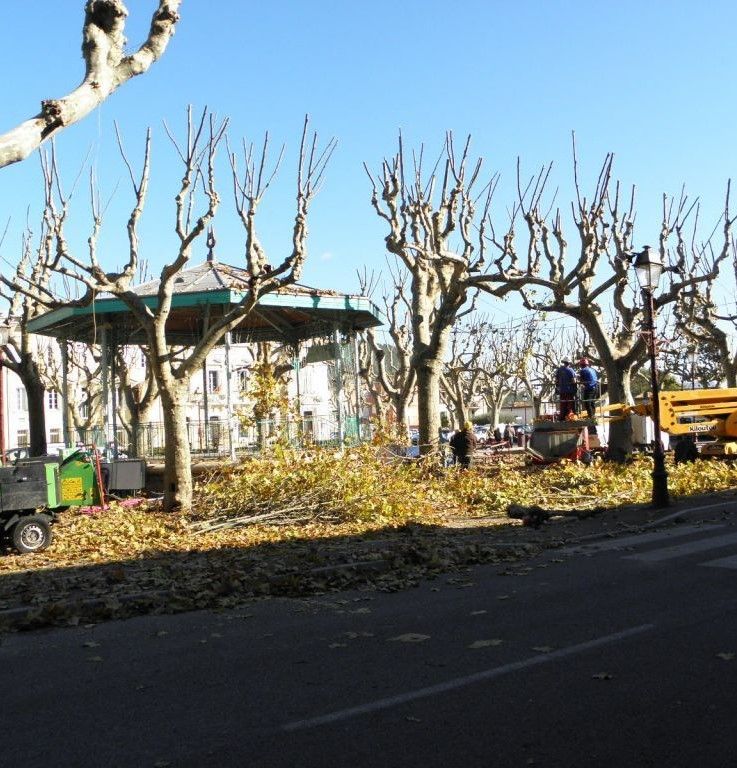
(213, 438)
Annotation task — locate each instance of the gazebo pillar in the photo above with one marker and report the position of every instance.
(339, 387)
(65, 430)
(229, 396)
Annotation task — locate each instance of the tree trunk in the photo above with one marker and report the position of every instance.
(428, 404)
(138, 418)
(400, 410)
(620, 432)
(493, 412)
(177, 457)
(35, 392)
(36, 416)
(460, 410)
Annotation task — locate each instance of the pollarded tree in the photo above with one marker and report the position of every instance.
(709, 330)
(136, 383)
(392, 363)
(20, 351)
(107, 67)
(173, 372)
(584, 281)
(463, 371)
(431, 219)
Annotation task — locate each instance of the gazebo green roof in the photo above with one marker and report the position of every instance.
(206, 292)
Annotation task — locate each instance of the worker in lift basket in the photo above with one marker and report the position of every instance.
(589, 385)
(565, 389)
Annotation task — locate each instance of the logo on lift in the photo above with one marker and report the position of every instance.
(699, 427)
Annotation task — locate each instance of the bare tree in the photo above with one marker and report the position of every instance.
(709, 329)
(427, 217)
(392, 363)
(107, 67)
(80, 385)
(20, 354)
(138, 394)
(463, 370)
(173, 372)
(599, 273)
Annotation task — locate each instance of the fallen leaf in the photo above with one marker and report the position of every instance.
(410, 637)
(602, 676)
(91, 644)
(477, 613)
(542, 648)
(411, 719)
(485, 643)
(502, 597)
(726, 656)
(337, 645)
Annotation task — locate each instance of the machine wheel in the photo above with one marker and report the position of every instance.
(31, 534)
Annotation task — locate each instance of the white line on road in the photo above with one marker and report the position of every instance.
(461, 682)
(681, 550)
(640, 538)
(723, 562)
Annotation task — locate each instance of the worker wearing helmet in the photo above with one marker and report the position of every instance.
(589, 386)
(565, 388)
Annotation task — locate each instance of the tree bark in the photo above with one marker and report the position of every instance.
(36, 393)
(177, 456)
(428, 403)
(107, 67)
(620, 432)
(30, 376)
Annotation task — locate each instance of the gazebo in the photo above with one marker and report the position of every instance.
(202, 294)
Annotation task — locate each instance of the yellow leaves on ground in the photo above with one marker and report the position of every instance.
(305, 502)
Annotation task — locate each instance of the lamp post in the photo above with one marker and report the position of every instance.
(648, 268)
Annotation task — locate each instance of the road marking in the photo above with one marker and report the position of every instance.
(642, 538)
(462, 682)
(723, 562)
(681, 550)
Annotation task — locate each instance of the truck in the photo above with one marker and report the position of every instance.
(698, 422)
(33, 491)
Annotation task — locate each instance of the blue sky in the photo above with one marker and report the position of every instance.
(652, 82)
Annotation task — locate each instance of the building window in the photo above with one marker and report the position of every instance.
(21, 399)
(84, 409)
(22, 438)
(55, 435)
(213, 382)
(53, 400)
(242, 379)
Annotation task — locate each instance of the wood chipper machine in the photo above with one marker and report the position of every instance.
(34, 490)
(572, 439)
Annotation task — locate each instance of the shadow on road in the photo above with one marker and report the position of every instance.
(163, 582)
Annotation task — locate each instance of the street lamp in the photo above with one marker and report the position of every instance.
(648, 268)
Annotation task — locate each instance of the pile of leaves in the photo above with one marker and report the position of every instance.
(367, 485)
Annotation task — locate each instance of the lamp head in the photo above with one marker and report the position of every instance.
(648, 268)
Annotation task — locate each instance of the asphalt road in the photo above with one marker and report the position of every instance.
(622, 652)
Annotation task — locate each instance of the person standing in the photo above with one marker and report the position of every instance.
(589, 380)
(565, 389)
(463, 445)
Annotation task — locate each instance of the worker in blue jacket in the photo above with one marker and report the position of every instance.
(589, 386)
(565, 389)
